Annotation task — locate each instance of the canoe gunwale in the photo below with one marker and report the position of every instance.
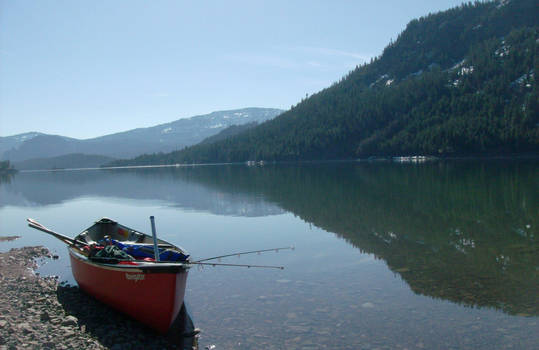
(142, 266)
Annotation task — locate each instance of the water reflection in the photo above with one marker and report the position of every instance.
(176, 188)
(5, 177)
(464, 232)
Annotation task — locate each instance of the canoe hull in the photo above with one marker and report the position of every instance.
(153, 297)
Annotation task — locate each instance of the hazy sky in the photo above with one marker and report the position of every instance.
(89, 68)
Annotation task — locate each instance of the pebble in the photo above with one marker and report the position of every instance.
(70, 321)
(44, 316)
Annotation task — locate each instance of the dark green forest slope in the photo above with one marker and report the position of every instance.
(454, 83)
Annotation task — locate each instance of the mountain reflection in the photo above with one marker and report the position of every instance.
(175, 188)
(459, 231)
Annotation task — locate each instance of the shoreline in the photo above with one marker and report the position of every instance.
(390, 159)
(41, 313)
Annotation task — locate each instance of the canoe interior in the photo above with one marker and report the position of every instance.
(107, 228)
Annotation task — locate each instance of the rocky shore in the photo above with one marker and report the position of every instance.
(40, 313)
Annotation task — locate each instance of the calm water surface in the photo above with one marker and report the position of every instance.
(442, 255)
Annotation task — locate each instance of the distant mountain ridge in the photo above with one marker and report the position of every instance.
(455, 83)
(9, 142)
(160, 138)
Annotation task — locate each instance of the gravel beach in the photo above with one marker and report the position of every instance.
(41, 313)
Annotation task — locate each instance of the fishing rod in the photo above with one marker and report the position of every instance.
(243, 253)
(237, 265)
(186, 263)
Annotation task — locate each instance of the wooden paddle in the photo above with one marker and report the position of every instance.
(68, 240)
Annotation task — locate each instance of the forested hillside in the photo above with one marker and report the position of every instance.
(232, 130)
(456, 83)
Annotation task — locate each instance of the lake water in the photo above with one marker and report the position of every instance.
(441, 255)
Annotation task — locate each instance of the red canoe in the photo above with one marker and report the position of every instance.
(131, 282)
(116, 265)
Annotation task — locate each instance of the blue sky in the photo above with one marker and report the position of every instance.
(89, 68)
